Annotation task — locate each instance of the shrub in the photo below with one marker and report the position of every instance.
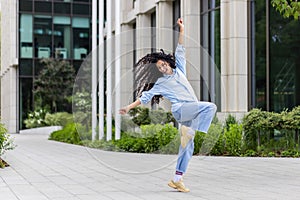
(70, 134)
(153, 138)
(143, 116)
(213, 141)
(36, 118)
(233, 139)
(230, 119)
(6, 143)
(58, 119)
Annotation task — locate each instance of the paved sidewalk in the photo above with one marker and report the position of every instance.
(42, 169)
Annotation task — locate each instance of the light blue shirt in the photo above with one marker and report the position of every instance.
(175, 87)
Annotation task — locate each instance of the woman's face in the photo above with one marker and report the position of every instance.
(164, 67)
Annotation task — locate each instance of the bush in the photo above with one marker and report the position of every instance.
(36, 118)
(233, 139)
(58, 119)
(153, 138)
(6, 143)
(144, 116)
(70, 134)
(212, 142)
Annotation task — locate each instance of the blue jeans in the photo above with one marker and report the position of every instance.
(197, 116)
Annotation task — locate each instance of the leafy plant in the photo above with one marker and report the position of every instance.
(70, 134)
(230, 119)
(58, 119)
(233, 139)
(143, 116)
(287, 8)
(6, 143)
(36, 118)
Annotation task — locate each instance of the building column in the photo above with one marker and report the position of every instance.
(164, 27)
(143, 35)
(191, 19)
(9, 64)
(127, 63)
(234, 56)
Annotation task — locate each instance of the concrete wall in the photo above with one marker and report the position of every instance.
(9, 64)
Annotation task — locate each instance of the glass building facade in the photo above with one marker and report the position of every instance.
(50, 29)
(276, 61)
(210, 41)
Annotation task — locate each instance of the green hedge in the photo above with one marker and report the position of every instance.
(42, 117)
(260, 133)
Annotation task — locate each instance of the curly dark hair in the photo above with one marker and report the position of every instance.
(146, 72)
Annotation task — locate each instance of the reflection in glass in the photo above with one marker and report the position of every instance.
(284, 62)
(260, 54)
(80, 27)
(42, 36)
(62, 36)
(210, 41)
(26, 43)
(26, 99)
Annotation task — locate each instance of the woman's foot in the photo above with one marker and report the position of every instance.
(178, 186)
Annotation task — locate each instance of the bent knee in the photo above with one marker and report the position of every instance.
(213, 107)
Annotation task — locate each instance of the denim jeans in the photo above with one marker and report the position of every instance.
(197, 116)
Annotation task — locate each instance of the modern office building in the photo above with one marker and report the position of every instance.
(253, 51)
(32, 30)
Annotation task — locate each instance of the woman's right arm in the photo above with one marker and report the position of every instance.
(125, 109)
(181, 31)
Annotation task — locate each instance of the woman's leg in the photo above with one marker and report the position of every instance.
(196, 115)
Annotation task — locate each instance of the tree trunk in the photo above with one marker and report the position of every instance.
(258, 137)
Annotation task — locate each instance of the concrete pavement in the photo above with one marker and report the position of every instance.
(41, 170)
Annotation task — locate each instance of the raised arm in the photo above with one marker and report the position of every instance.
(181, 31)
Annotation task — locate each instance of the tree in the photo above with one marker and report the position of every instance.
(54, 84)
(287, 8)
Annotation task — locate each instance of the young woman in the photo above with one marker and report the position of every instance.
(160, 75)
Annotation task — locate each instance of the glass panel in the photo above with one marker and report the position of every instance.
(63, 8)
(26, 101)
(260, 54)
(80, 37)
(81, 9)
(42, 36)
(62, 37)
(153, 32)
(210, 41)
(87, 1)
(26, 46)
(284, 62)
(42, 7)
(25, 67)
(25, 5)
(80, 22)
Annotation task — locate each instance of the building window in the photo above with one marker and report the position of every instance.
(81, 27)
(277, 62)
(42, 31)
(153, 32)
(210, 42)
(25, 5)
(62, 36)
(42, 7)
(62, 8)
(176, 15)
(26, 41)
